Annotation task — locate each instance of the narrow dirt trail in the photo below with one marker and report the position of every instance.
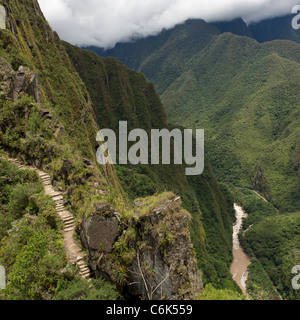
(278, 212)
(73, 248)
(239, 266)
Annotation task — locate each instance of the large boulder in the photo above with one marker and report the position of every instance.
(12, 83)
(28, 82)
(99, 233)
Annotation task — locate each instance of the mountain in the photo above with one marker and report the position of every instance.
(279, 28)
(245, 95)
(232, 87)
(119, 93)
(54, 99)
(236, 26)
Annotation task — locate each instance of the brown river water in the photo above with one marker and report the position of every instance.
(239, 267)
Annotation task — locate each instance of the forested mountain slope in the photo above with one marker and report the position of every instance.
(49, 118)
(244, 94)
(119, 93)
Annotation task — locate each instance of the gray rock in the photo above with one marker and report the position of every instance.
(87, 163)
(102, 207)
(28, 82)
(99, 233)
(45, 114)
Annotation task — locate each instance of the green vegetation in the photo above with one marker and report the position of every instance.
(57, 143)
(244, 94)
(119, 93)
(259, 284)
(274, 242)
(80, 289)
(256, 208)
(250, 120)
(31, 244)
(210, 293)
(31, 247)
(252, 141)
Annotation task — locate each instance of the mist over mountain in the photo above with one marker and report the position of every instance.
(105, 23)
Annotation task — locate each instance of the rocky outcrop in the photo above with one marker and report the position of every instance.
(13, 84)
(28, 82)
(7, 79)
(149, 255)
(259, 182)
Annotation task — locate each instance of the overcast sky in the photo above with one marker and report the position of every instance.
(104, 22)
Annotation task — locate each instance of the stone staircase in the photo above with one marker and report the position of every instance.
(72, 247)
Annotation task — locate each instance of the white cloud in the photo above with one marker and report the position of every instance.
(104, 22)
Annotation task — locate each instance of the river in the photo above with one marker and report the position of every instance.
(239, 267)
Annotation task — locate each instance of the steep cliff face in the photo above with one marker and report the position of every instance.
(47, 121)
(119, 93)
(150, 254)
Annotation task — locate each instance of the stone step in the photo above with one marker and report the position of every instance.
(70, 219)
(69, 225)
(86, 274)
(48, 183)
(69, 229)
(84, 269)
(66, 217)
(57, 197)
(45, 176)
(68, 222)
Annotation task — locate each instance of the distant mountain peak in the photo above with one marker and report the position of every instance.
(237, 26)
